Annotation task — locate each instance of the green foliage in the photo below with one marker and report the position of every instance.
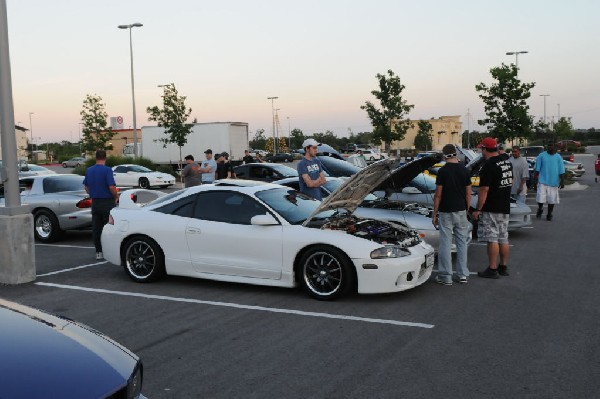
(96, 134)
(114, 160)
(564, 129)
(505, 104)
(389, 122)
(297, 138)
(472, 139)
(173, 117)
(260, 141)
(424, 137)
(326, 138)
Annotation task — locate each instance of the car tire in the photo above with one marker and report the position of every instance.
(372, 158)
(45, 226)
(144, 183)
(326, 273)
(143, 259)
(64, 165)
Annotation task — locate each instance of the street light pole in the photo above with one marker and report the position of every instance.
(544, 95)
(289, 134)
(135, 140)
(31, 134)
(79, 124)
(273, 116)
(516, 54)
(558, 105)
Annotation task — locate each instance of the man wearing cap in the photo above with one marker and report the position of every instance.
(208, 168)
(450, 203)
(493, 208)
(310, 171)
(550, 173)
(191, 172)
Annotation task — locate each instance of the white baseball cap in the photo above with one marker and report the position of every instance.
(309, 142)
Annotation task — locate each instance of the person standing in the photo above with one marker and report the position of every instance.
(550, 173)
(221, 172)
(450, 204)
(493, 208)
(247, 157)
(310, 171)
(520, 168)
(191, 172)
(100, 184)
(597, 168)
(228, 166)
(208, 168)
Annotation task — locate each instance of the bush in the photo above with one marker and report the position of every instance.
(114, 160)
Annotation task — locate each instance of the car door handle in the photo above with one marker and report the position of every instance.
(193, 230)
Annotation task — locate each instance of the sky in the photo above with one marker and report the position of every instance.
(320, 59)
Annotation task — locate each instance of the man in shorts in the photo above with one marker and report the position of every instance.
(493, 208)
(550, 173)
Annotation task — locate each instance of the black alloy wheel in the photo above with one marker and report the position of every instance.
(143, 260)
(325, 273)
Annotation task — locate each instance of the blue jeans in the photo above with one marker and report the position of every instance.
(453, 223)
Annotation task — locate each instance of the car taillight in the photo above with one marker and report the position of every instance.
(84, 203)
(111, 220)
(133, 198)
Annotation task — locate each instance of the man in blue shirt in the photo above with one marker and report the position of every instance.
(208, 168)
(100, 184)
(310, 171)
(550, 171)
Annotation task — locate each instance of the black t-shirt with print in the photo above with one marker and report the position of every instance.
(453, 177)
(496, 173)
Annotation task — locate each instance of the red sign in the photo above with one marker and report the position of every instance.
(120, 120)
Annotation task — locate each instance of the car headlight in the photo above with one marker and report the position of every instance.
(134, 384)
(391, 251)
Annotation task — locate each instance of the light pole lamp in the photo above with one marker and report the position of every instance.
(273, 116)
(516, 54)
(135, 141)
(544, 95)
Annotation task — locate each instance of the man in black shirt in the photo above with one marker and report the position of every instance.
(450, 205)
(247, 157)
(493, 207)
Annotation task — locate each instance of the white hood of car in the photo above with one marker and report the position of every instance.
(382, 175)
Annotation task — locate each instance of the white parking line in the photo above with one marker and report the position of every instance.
(71, 269)
(485, 243)
(64, 246)
(240, 306)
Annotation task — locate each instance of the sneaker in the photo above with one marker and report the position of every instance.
(549, 217)
(539, 213)
(463, 280)
(441, 281)
(99, 256)
(488, 273)
(503, 270)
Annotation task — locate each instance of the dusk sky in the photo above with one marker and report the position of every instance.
(319, 57)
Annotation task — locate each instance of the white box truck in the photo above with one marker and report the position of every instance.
(230, 137)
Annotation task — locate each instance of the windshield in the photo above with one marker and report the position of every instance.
(292, 205)
(139, 169)
(337, 167)
(425, 183)
(63, 183)
(285, 171)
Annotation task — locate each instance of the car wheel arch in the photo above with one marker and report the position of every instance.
(161, 264)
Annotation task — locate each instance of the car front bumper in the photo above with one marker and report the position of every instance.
(395, 274)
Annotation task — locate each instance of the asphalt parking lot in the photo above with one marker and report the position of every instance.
(533, 334)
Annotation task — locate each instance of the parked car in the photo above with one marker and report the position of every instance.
(266, 172)
(35, 170)
(130, 175)
(532, 152)
(325, 149)
(281, 238)
(568, 143)
(47, 356)
(262, 153)
(73, 162)
(412, 215)
(336, 167)
(575, 167)
(58, 203)
(372, 154)
(280, 157)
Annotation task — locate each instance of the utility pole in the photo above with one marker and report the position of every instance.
(273, 116)
(469, 128)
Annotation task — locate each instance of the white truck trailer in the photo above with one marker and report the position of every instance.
(230, 137)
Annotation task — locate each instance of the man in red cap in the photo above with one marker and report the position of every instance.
(493, 207)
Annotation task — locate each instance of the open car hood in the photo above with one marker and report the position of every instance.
(387, 174)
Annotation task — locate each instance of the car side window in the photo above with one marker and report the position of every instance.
(120, 169)
(182, 207)
(241, 171)
(227, 207)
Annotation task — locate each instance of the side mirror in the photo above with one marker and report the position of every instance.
(410, 190)
(264, 220)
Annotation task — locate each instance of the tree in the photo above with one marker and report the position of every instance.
(326, 138)
(173, 117)
(563, 128)
(96, 134)
(297, 138)
(423, 139)
(259, 142)
(506, 104)
(388, 122)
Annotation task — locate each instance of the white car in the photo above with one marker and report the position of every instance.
(130, 175)
(266, 234)
(372, 154)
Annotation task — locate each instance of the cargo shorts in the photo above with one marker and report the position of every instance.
(493, 227)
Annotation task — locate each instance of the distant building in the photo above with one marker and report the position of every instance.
(22, 142)
(445, 130)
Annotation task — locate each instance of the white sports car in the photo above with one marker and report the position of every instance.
(267, 234)
(131, 175)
